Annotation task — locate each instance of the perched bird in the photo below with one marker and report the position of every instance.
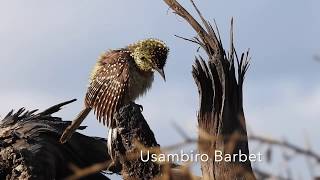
(119, 77)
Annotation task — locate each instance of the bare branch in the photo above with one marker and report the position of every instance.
(285, 144)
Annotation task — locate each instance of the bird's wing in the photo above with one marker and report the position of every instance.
(107, 85)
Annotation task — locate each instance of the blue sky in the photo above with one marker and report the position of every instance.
(47, 50)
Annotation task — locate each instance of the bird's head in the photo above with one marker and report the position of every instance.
(150, 55)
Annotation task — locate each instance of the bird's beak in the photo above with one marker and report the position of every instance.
(161, 72)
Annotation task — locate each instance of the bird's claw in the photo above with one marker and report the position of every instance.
(140, 107)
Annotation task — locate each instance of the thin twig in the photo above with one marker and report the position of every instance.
(295, 148)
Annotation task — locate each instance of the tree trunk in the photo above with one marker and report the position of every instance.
(221, 118)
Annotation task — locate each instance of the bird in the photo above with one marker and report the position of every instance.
(119, 77)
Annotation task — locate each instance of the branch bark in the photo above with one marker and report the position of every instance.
(133, 137)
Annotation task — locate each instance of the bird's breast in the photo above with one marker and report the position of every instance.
(139, 83)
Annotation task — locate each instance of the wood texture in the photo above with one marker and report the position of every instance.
(221, 118)
(29, 147)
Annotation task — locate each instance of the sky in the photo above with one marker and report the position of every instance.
(47, 50)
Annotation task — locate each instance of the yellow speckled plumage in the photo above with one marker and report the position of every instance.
(146, 52)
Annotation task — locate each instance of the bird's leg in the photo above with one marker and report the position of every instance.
(68, 132)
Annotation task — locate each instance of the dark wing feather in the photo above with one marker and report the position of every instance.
(108, 83)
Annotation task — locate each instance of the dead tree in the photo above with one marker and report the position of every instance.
(29, 147)
(221, 118)
(134, 135)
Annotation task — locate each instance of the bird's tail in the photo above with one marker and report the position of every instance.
(68, 132)
(112, 138)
